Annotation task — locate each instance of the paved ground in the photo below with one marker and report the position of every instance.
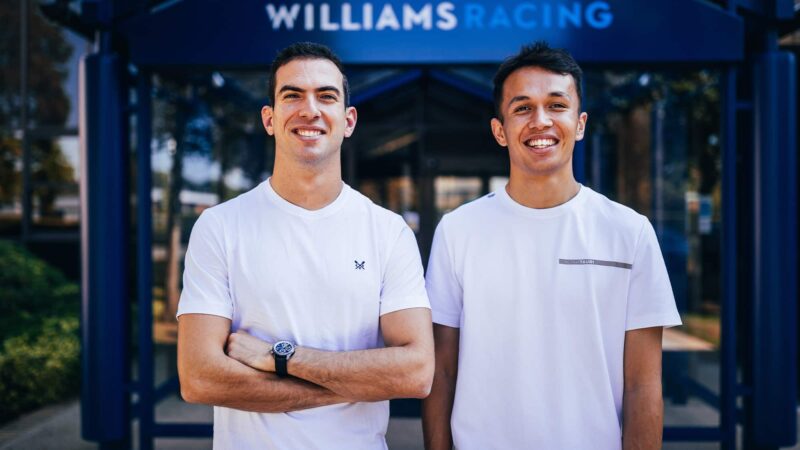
(58, 427)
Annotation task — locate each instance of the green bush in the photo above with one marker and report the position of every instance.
(31, 290)
(39, 368)
(40, 345)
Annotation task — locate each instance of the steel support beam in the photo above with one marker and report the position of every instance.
(728, 360)
(774, 415)
(104, 253)
(144, 260)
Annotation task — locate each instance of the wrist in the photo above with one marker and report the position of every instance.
(267, 361)
(282, 352)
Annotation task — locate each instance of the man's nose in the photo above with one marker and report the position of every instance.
(310, 109)
(540, 119)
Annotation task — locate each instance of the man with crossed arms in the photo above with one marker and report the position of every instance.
(304, 306)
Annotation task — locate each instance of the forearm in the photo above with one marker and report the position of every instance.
(226, 382)
(402, 369)
(643, 417)
(366, 375)
(437, 410)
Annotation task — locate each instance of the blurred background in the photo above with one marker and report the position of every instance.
(100, 185)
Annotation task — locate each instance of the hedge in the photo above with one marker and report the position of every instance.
(40, 350)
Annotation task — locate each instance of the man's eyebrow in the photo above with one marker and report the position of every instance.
(518, 98)
(290, 88)
(328, 88)
(522, 98)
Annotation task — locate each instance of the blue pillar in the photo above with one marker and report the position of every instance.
(144, 260)
(104, 253)
(775, 261)
(730, 255)
(579, 153)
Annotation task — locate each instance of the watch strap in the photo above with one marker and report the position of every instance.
(280, 366)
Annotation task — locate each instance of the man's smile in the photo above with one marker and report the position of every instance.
(308, 132)
(541, 144)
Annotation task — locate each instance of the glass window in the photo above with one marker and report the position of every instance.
(10, 186)
(653, 144)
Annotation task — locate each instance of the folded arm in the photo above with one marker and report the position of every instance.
(402, 369)
(209, 376)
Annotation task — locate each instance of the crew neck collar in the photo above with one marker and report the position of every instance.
(274, 198)
(555, 211)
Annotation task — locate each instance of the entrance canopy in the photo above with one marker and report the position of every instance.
(249, 32)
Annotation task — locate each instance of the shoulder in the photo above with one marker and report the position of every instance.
(614, 216)
(471, 212)
(226, 213)
(378, 215)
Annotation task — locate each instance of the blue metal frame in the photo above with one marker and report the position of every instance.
(728, 382)
(144, 250)
(775, 298)
(387, 85)
(104, 250)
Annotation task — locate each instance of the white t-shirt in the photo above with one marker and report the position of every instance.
(543, 298)
(320, 279)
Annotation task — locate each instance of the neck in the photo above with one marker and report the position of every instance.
(309, 187)
(540, 192)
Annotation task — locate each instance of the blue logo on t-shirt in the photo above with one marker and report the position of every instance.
(360, 265)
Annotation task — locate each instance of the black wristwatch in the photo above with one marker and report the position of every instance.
(282, 351)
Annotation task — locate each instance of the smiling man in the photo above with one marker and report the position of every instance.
(304, 308)
(548, 299)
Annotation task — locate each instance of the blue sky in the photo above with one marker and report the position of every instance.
(79, 48)
(69, 144)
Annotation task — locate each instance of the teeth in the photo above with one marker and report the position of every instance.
(309, 133)
(541, 143)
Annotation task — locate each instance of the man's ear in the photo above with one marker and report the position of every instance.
(499, 132)
(266, 119)
(350, 119)
(581, 131)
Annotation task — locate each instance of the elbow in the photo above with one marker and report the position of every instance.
(421, 379)
(192, 391)
(193, 382)
(188, 393)
(421, 391)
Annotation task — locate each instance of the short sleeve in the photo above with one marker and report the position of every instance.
(403, 284)
(650, 299)
(444, 290)
(205, 274)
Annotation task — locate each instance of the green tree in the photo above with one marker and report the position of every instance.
(48, 103)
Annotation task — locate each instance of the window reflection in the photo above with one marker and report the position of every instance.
(10, 185)
(653, 144)
(208, 146)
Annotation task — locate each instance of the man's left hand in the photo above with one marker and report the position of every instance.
(251, 351)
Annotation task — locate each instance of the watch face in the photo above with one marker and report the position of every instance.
(283, 348)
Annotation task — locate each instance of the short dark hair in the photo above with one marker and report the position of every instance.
(540, 54)
(305, 50)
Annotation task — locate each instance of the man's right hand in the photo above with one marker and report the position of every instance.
(250, 350)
